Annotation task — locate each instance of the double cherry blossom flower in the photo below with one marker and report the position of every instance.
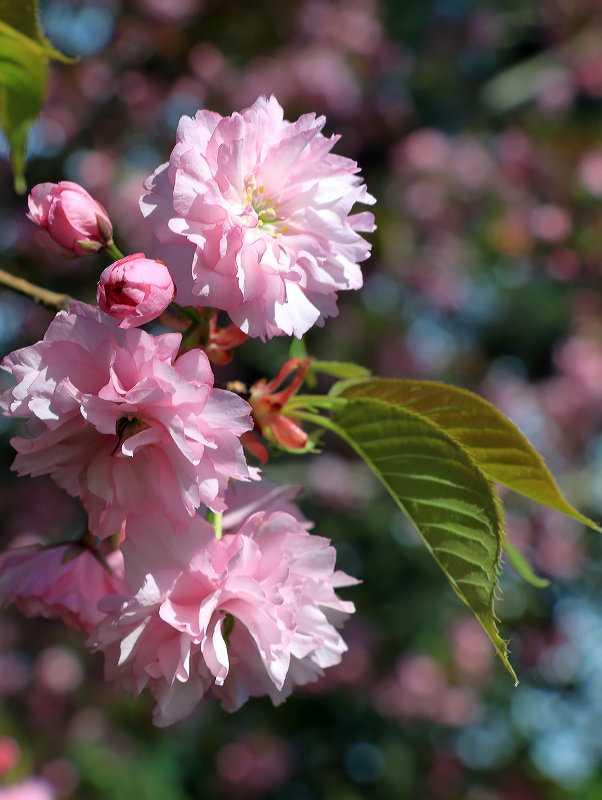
(250, 614)
(116, 418)
(252, 214)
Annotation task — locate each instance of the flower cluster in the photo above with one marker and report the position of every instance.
(180, 597)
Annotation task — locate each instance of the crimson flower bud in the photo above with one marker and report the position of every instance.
(135, 290)
(72, 222)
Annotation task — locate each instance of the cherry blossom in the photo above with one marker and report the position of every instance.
(250, 614)
(119, 420)
(65, 581)
(252, 213)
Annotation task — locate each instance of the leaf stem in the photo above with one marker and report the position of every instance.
(52, 300)
(112, 250)
(313, 401)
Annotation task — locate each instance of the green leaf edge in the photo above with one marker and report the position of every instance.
(563, 507)
(488, 620)
(522, 567)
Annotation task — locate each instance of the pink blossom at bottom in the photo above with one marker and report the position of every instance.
(30, 789)
(65, 581)
(250, 614)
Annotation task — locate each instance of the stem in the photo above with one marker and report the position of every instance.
(313, 401)
(215, 518)
(187, 311)
(112, 250)
(52, 300)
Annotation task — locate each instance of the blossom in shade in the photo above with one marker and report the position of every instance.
(252, 213)
(135, 290)
(252, 613)
(116, 418)
(72, 222)
(65, 581)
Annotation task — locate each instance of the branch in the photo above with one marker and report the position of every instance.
(52, 300)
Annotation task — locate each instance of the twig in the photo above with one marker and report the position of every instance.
(52, 300)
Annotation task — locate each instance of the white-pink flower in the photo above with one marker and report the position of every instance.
(66, 581)
(252, 214)
(250, 614)
(118, 419)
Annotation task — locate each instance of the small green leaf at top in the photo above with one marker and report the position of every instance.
(434, 480)
(503, 453)
(24, 54)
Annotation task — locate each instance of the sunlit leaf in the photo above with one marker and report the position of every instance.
(504, 454)
(24, 54)
(434, 480)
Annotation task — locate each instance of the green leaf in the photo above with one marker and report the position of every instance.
(340, 369)
(433, 479)
(503, 453)
(522, 566)
(24, 53)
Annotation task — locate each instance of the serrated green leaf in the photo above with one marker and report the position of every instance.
(22, 87)
(523, 568)
(24, 53)
(435, 482)
(504, 454)
(340, 369)
(23, 17)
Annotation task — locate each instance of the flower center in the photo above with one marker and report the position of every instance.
(267, 211)
(126, 427)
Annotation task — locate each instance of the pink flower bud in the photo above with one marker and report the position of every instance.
(73, 223)
(135, 290)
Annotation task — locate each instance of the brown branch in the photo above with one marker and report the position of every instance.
(52, 300)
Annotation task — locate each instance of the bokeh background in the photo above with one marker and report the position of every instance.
(477, 125)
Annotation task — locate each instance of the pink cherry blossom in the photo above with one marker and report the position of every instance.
(119, 420)
(252, 213)
(252, 613)
(29, 789)
(65, 581)
(72, 222)
(135, 290)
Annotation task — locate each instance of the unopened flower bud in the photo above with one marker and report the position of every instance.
(72, 222)
(135, 290)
